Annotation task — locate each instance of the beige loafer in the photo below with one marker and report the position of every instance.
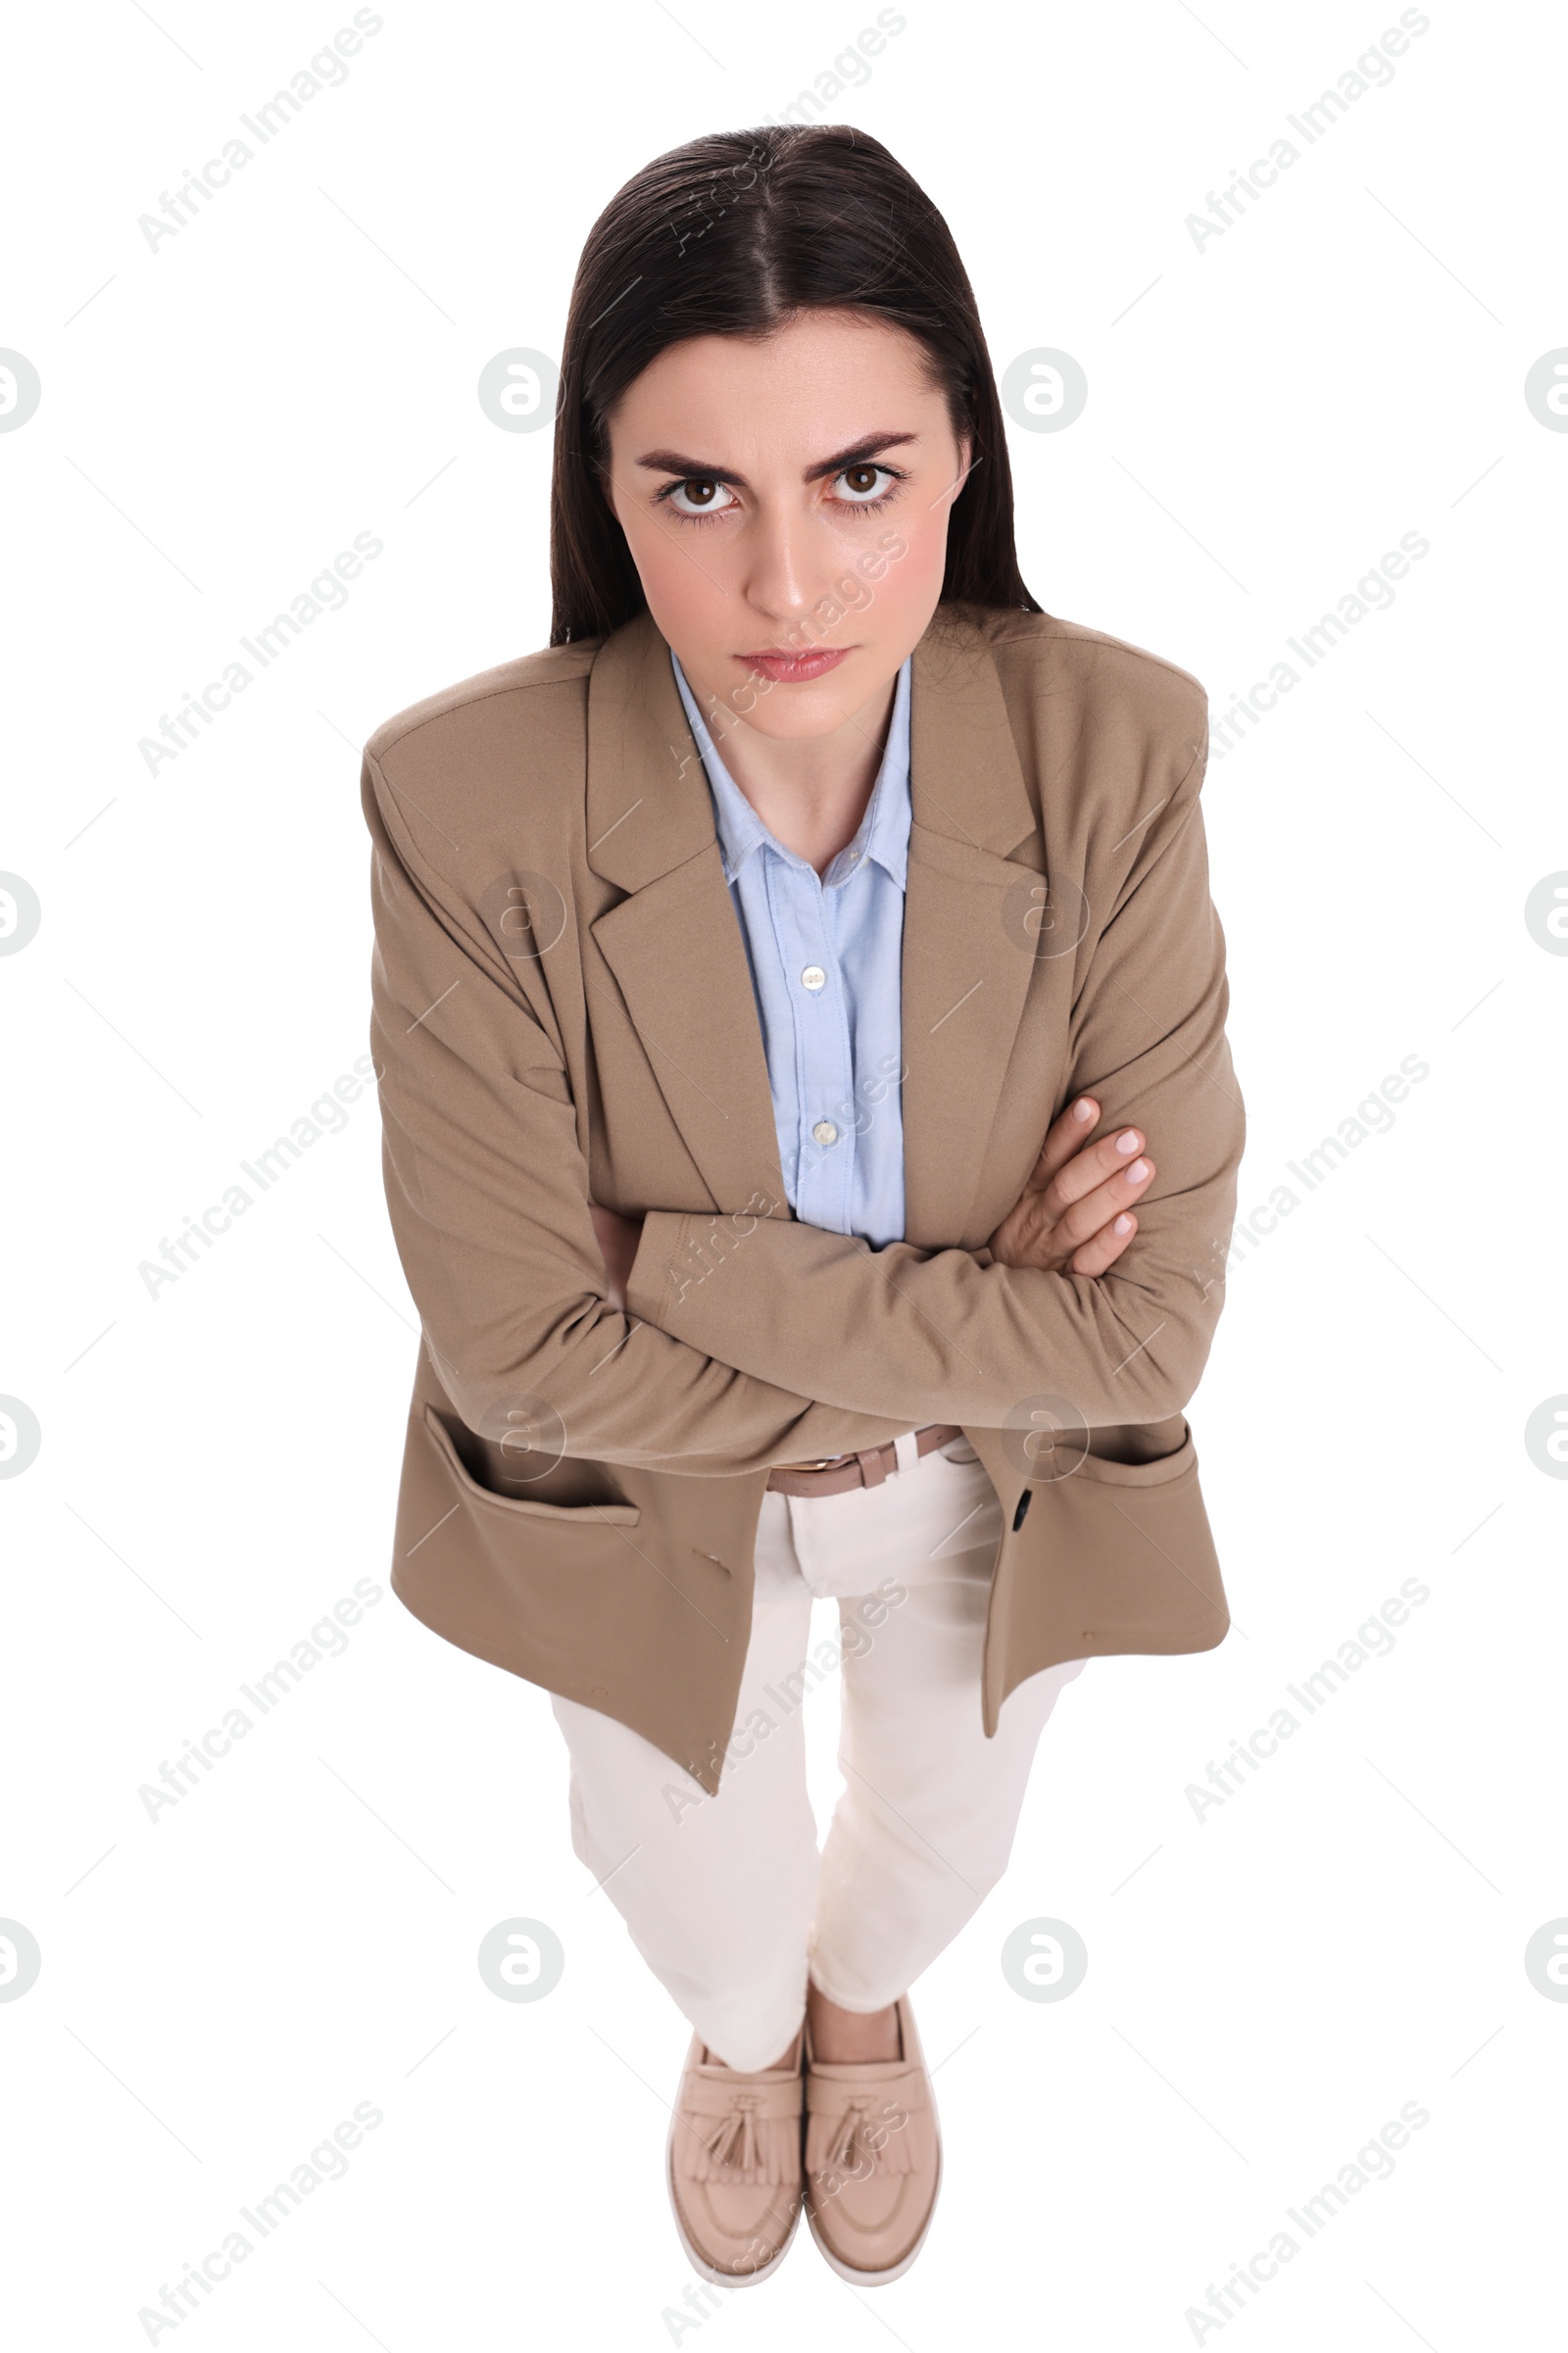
(873, 2158)
(733, 2165)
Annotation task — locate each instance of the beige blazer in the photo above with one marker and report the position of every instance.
(562, 1013)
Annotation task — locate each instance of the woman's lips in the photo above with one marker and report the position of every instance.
(794, 669)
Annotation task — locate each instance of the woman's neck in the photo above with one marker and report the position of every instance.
(811, 792)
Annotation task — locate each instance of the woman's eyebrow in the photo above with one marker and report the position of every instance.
(857, 453)
(671, 462)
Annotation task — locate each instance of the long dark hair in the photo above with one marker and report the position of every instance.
(734, 234)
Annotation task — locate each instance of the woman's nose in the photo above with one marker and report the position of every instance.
(781, 575)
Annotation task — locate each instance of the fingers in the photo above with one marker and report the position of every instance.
(1106, 1201)
(1103, 1249)
(1063, 1138)
(1044, 1239)
(1030, 1237)
(1091, 1166)
(1075, 1193)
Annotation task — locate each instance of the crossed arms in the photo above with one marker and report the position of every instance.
(803, 1343)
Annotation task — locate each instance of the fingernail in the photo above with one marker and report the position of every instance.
(1083, 1108)
(1129, 1140)
(1138, 1171)
(1122, 1225)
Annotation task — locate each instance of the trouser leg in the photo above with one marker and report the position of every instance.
(925, 1823)
(717, 1890)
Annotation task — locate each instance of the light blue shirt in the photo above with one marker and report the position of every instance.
(826, 961)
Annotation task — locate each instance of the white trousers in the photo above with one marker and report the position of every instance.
(727, 1897)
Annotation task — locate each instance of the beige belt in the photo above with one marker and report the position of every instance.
(840, 1472)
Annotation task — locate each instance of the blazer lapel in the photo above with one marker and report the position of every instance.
(969, 921)
(676, 948)
(674, 945)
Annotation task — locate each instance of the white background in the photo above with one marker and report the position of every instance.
(1268, 1984)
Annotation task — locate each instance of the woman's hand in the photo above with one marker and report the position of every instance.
(1074, 1214)
(618, 1238)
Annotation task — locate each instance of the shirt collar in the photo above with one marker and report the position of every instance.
(883, 833)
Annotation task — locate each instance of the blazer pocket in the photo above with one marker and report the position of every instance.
(522, 1507)
(1118, 1556)
(1163, 1471)
(592, 1600)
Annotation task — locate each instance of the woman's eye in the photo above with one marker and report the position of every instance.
(863, 483)
(699, 494)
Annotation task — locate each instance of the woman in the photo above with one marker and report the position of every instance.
(810, 1142)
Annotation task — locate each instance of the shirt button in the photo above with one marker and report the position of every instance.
(813, 977)
(825, 1132)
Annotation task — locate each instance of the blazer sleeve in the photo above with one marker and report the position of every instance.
(950, 1335)
(487, 1192)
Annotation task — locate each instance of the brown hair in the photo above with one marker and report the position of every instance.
(734, 234)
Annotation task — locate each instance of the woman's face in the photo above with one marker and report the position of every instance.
(786, 503)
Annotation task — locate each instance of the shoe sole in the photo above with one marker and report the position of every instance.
(697, 2261)
(857, 2278)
